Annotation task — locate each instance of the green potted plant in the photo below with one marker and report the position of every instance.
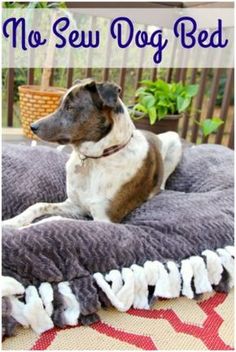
(159, 105)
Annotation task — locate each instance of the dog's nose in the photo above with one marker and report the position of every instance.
(34, 127)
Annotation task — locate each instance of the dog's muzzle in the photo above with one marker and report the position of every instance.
(34, 127)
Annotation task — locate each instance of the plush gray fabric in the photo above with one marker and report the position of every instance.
(194, 213)
(8, 323)
(31, 174)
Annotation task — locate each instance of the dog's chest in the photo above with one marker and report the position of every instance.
(93, 183)
(96, 181)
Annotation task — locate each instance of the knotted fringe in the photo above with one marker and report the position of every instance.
(127, 288)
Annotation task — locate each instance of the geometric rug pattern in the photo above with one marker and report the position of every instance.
(173, 324)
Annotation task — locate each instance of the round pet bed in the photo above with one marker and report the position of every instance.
(61, 272)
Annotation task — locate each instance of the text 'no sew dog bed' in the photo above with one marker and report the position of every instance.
(178, 243)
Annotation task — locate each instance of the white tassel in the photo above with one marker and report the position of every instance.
(151, 272)
(115, 277)
(17, 311)
(228, 263)
(231, 250)
(72, 307)
(108, 291)
(174, 278)
(35, 313)
(163, 285)
(140, 288)
(201, 282)
(126, 293)
(11, 286)
(214, 267)
(46, 293)
(187, 274)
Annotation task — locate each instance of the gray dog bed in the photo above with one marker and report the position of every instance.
(61, 272)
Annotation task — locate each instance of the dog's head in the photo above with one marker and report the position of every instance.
(84, 114)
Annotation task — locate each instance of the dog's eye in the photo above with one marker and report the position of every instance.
(69, 108)
(67, 105)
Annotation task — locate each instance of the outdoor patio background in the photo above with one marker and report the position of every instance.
(179, 324)
(214, 99)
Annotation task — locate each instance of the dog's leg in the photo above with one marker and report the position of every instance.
(98, 212)
(50, 218)
(67, 209)
(171, 151)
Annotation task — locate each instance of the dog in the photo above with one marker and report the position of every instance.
(114, 167)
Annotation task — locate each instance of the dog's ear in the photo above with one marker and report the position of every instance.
(109, 93)
(84, 82)
(104, 94)
(77, 81)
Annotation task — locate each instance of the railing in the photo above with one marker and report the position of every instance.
(215, 95)
(208, 103)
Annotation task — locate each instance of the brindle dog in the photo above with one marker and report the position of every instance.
(113, 167)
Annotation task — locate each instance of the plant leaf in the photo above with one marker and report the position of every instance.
(192, 90)
(162, 85)
(152, 115)
(148, 101)
(140, 107)
(140, 91)
(168, 98)
(177, 88)
(182, 103)
(210, 125)
(147, 83)
(162, 112)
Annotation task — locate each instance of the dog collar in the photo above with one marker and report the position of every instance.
(108, 151)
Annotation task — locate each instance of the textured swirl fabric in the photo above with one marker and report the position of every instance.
(195, 213)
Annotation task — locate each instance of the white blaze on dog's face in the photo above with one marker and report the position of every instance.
(85, 114)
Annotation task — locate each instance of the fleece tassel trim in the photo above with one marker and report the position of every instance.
(125, 289)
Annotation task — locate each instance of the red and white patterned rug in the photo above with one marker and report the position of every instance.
(178, 324)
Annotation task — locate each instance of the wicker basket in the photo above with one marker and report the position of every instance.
(35, 104)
